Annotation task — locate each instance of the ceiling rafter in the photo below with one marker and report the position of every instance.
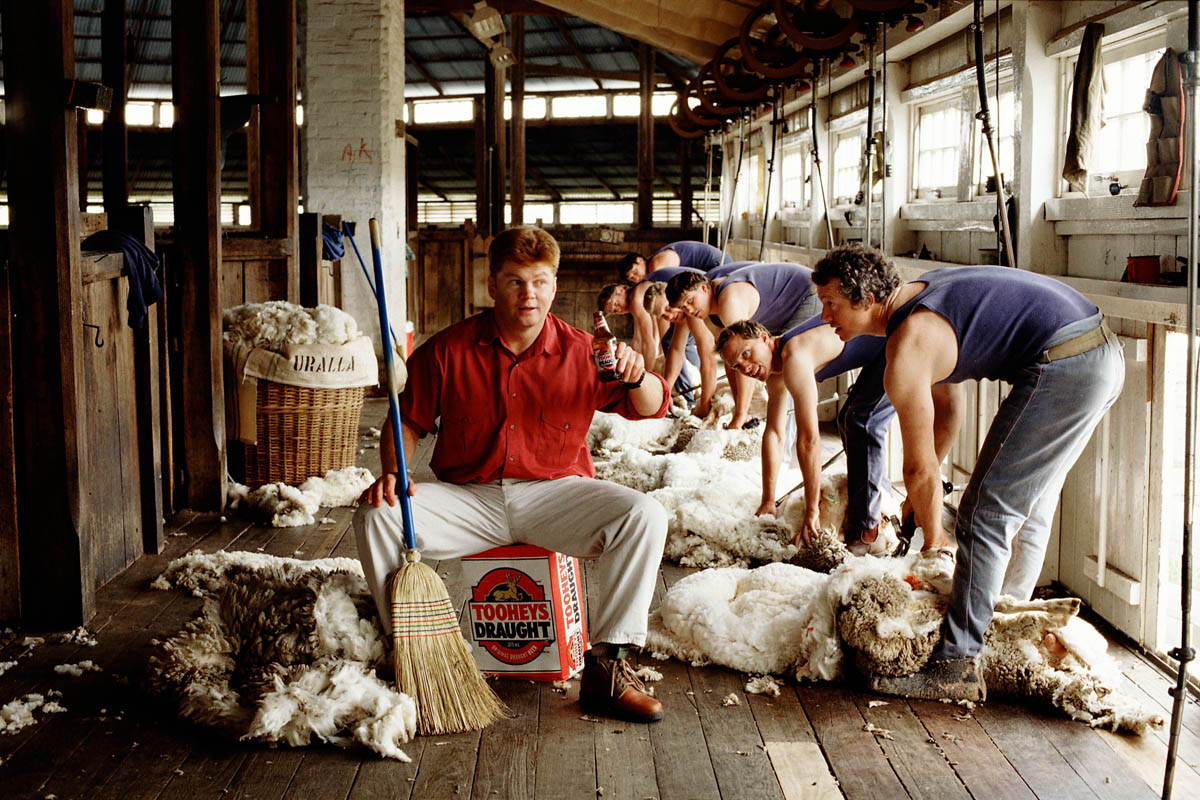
(579, 54)
(420, 67)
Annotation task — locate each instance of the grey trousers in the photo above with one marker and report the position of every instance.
(622, 528)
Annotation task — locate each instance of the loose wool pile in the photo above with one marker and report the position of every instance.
(874, 615)
(276, 323)
(284, 650)
(287, 506)
(710, 481)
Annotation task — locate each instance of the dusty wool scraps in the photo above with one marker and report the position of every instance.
(77, 670)
(277, 323)
(648, 674)
(80, 635)
(18, 714)
(284, 651)
(763, 684)
(290, 506)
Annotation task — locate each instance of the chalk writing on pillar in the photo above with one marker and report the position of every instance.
(349, 153)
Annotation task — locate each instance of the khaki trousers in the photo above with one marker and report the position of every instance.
(622, 528)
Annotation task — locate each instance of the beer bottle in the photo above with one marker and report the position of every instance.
(604, 348)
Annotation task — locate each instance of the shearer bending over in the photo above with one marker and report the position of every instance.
(779, 296)
(794, 363)
(698, 255)
(973, 323)
(655, 321)
(516, 389)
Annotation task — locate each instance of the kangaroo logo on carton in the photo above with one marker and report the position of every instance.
(510, 616)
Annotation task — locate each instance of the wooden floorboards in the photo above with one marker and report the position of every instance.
(810, 742)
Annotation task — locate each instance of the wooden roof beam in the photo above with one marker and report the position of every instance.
(425, 182)
(592, 171)
(424, 72)
(694, 35)
(579, 55)
(555, 195)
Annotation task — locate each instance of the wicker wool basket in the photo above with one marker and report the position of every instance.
(302, 432)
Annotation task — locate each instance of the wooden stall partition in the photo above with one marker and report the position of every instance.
(442, 278)
(113, 518)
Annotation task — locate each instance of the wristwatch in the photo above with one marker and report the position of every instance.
(635, 384)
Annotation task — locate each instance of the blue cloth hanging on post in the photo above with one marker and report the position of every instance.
(141, 265)
(332, 247)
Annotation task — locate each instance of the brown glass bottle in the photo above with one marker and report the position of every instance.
(604, 348)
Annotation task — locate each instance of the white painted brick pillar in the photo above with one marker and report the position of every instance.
(352, 79)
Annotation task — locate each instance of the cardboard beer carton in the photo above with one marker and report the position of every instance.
(524, 612)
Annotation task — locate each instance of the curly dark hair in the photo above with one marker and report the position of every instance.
(624, 264)
(863, 272)
(745, 328)
(684, 282)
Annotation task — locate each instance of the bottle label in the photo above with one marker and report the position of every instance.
(606, 355)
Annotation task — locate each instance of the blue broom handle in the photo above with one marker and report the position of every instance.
(410, 538)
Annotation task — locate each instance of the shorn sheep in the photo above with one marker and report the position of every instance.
(875, 616)
(284, 651)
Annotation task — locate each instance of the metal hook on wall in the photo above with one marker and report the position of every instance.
(99, 342)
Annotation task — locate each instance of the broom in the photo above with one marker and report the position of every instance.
(433, 663)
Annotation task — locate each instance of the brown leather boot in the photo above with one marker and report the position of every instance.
(610, 688)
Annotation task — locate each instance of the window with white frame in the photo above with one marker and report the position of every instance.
(1002, 116)
(794, 167)
(847, 154)
(937, 143)
(1120, 153)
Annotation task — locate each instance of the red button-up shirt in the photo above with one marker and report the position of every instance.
(506, 416)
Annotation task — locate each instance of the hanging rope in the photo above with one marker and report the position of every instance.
(816, 153)
(870, 149)
(883, 212)
(984, 117)
(708, 152)
(762, 241)
(736, 175)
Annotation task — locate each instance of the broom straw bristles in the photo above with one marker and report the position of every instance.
(433, 662)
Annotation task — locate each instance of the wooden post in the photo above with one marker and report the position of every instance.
(311, 247)
(685, 184)
(116, 140)
(517, 171)
(82, 156)
(481, 165)
(138, 221)
(10, 563)
(198, 250)
(645, 139)
(494, 149)
(50, 458)
(277, 152)
(412, 177)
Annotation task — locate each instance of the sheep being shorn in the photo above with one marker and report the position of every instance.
(283, 651)
(691, 467)
(874, 615)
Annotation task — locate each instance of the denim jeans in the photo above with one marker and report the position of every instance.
(686, 383)
(1034, 440)
(863, 424)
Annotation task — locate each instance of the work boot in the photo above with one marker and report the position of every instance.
(941, 679)
(610, 688)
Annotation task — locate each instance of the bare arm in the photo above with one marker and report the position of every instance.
(743, 393)
(917, 358)
(645, 331)
(737, 301)
(772, 442)
(947, 417)
(802, 385)
(705, 345)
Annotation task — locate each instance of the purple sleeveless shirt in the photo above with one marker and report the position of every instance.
(695, 254)
(1002, 317)
(726, 268)
(781, 289)
(858, 352)
(666, 273)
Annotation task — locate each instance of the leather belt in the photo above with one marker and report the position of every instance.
(1088, 340)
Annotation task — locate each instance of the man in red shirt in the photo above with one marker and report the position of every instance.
(515, 389)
